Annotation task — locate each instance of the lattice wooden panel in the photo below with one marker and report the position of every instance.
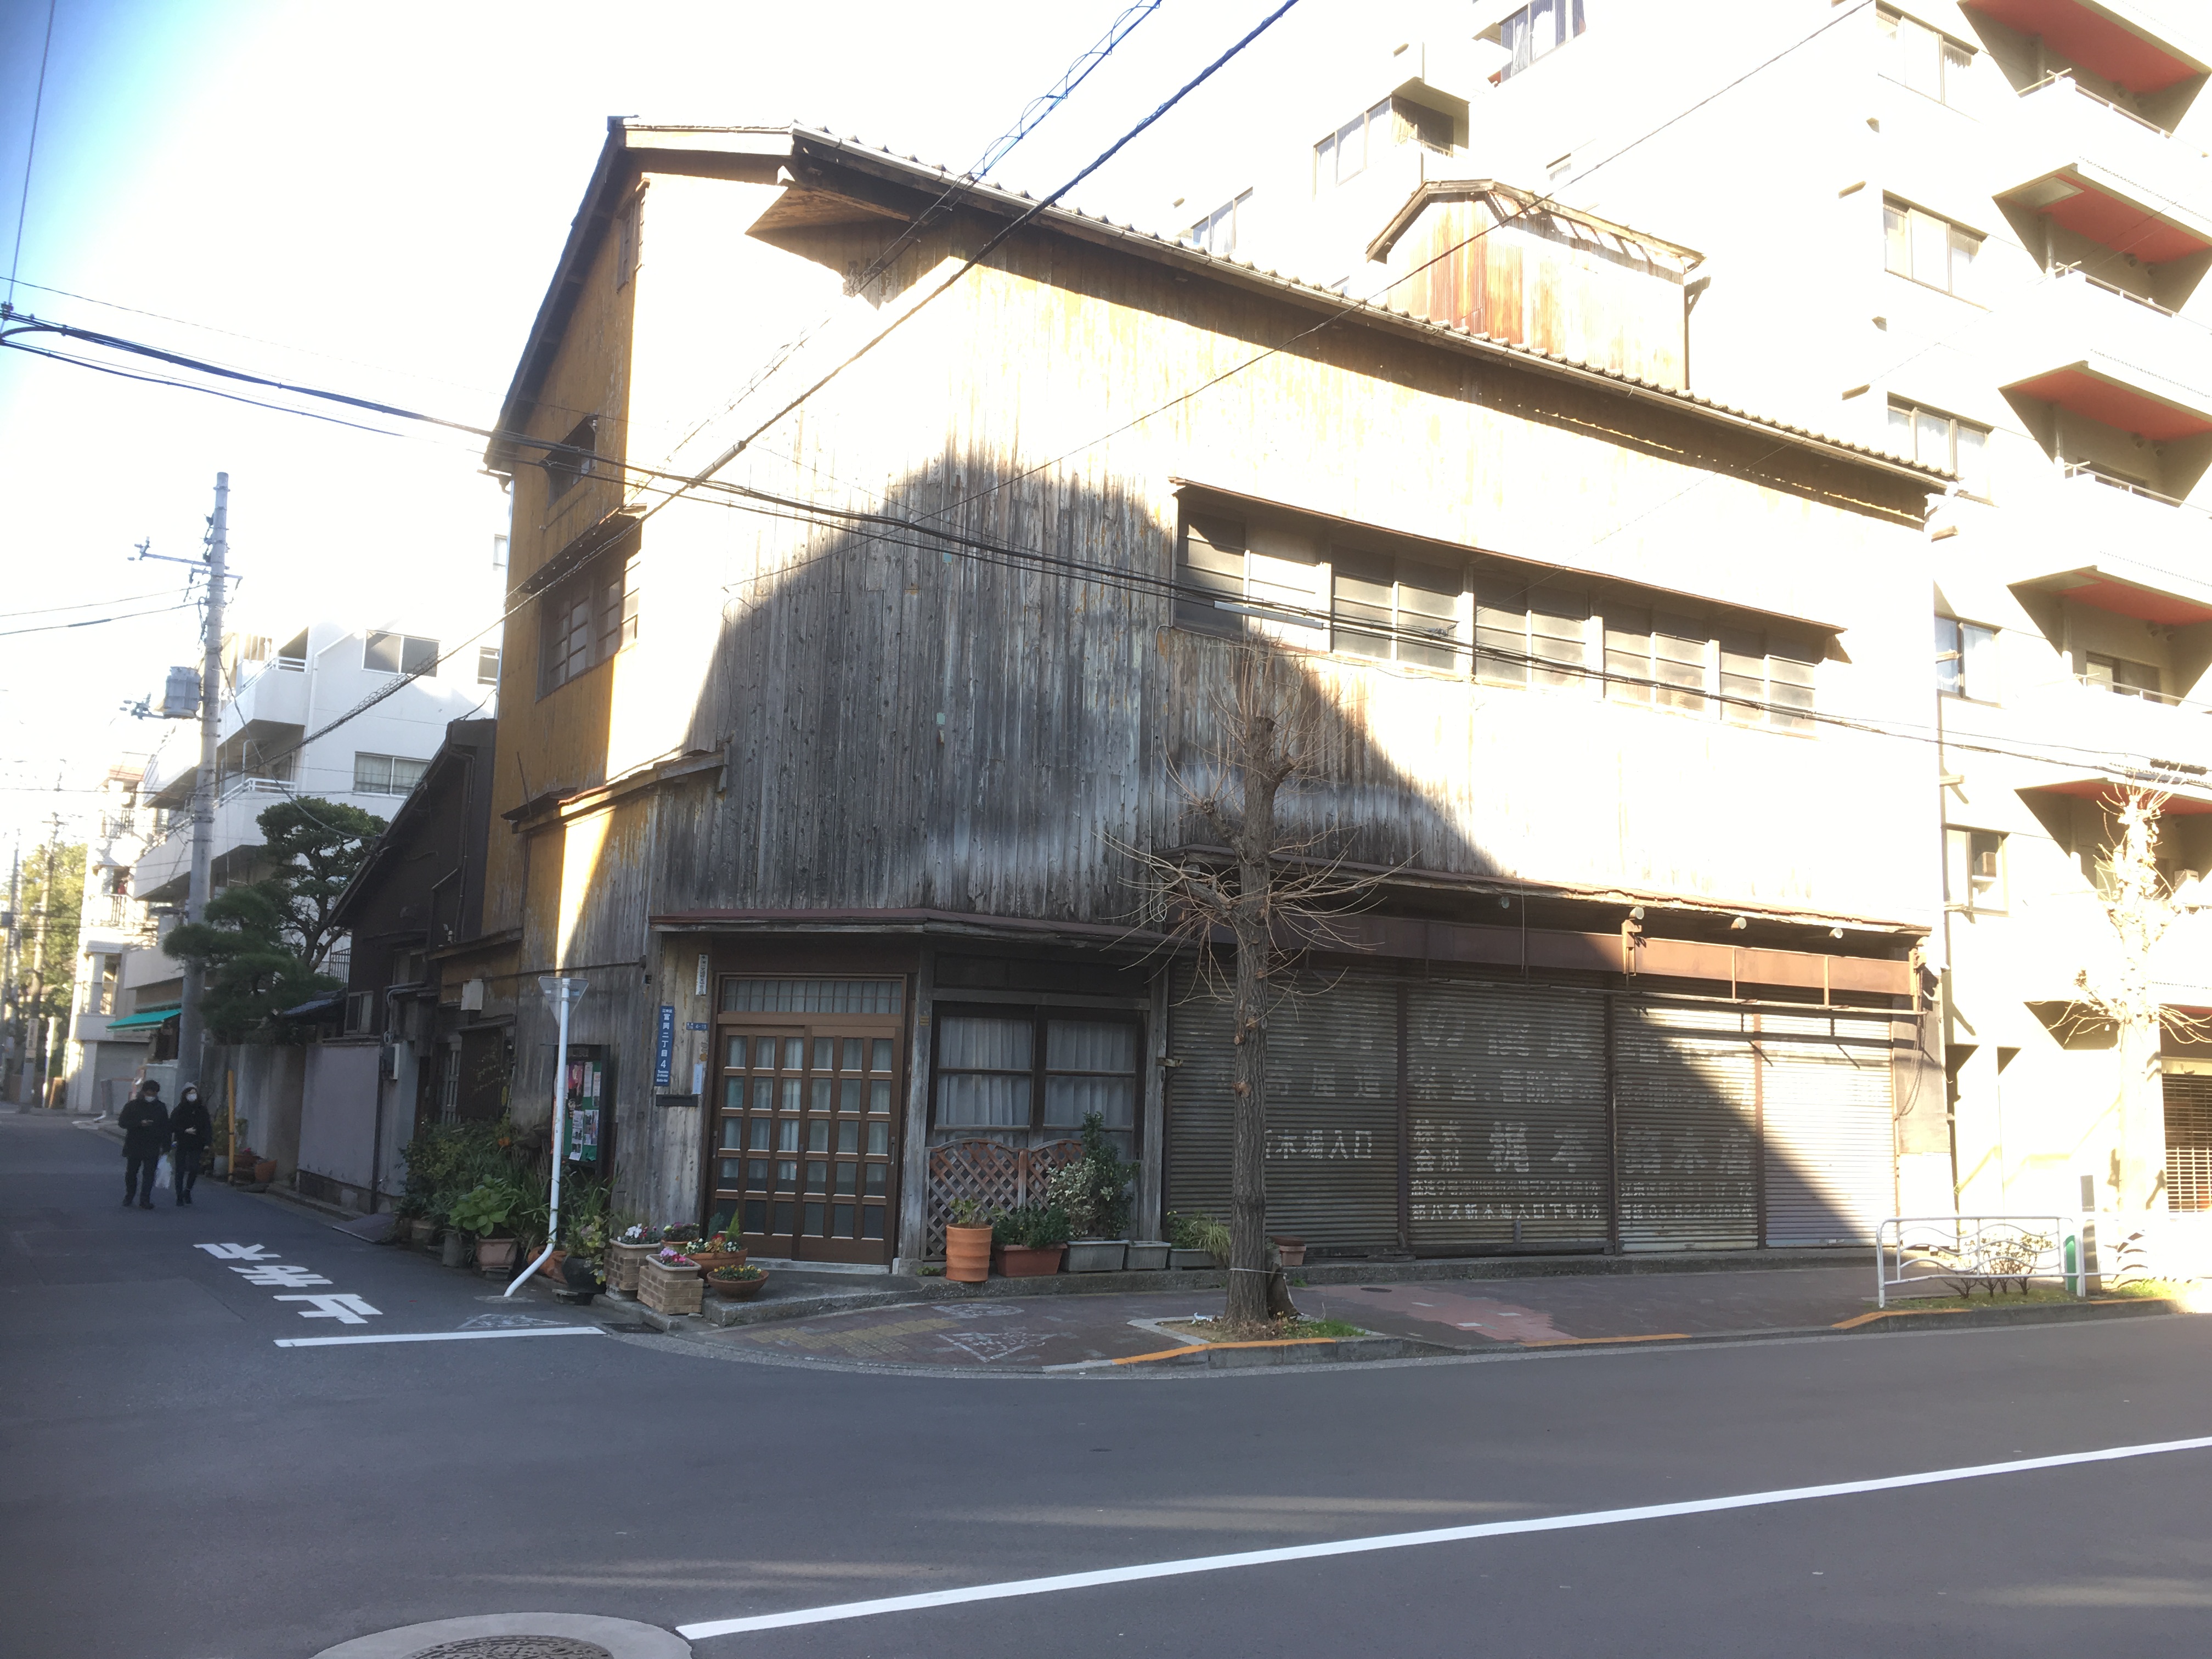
(997, 1177)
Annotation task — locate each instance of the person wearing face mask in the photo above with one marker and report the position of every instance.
(145, 1126)
(190, 1131)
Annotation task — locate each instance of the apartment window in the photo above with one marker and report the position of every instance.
(1343, 156)
(2123, 678)
(1767, 681)
(1230, 588)
(498, 552)
(1531, 635)
(1217, 233)
(572, 460)
(586, 621)
(1538, 29)
(385, 775)
(1918, 57)
(487, 665)
(1396, 609)
(1035, 1070)
(1928, 435)
(104, 992)
(1966, 660)
(400, 653)
(1973, 870)
(1931, 250)
(1654, 659)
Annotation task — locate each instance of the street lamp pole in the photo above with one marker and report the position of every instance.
(566, 993)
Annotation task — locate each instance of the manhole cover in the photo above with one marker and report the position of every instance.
(515, 1647)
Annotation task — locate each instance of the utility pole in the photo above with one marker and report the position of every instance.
(11, 995)
(39, 967)
(188, 1021)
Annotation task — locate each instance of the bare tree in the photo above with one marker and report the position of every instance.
(2122, 992)
(1273, 895)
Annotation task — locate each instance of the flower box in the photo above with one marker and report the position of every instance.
(1148, 1256)
(1189, 1259)
(622, 1265)
(670, 1288)
(1027, 1260)
(1097, 1255)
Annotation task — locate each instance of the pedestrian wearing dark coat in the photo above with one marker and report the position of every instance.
(145, 1125)
(191, 1132)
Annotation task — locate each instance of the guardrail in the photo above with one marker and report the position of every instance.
(1967, 1251)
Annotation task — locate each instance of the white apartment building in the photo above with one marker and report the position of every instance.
(279, 737)
(1970, 232)
(125, 993)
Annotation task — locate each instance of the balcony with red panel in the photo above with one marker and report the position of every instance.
(2114, 41)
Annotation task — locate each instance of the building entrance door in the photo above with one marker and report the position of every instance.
(804, 1157)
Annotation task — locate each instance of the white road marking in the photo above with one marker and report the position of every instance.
(278, 1273)
(235, 1252)
(1398, 1540)
(433, 1336)
(344, 1307)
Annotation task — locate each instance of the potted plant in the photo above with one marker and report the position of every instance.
(736, 1282)
(1291, 1252)
(1147, 1255)
(668, 1282)
(719, 1251)
(636, 1242)
(1196, 1241)
(1093, 1191)
(1029, 1240)
(967, 1242)
(483, 1213)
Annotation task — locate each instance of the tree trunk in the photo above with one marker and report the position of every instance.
(1249, 1259)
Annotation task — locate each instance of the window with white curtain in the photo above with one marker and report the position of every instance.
(1037, 1069)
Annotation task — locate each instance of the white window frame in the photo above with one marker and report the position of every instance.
(1964, 889)
(1966, 660)
(1207, 234)
(1946, 64)
(1909, 239)
(1938, 437)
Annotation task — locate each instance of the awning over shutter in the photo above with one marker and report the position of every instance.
(151, 1016)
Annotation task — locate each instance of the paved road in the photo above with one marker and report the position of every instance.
(177, 1487)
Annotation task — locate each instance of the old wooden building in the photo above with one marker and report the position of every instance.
(870, 608)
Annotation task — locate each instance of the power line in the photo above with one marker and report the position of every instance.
(31, 151)
(85, 604)
(95, 621)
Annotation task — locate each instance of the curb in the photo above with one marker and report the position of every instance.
(1293, 1351)
(1892, 1320)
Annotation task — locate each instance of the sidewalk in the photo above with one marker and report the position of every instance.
(937, 1327)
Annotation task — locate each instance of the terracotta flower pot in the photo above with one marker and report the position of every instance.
(968, 1253)
(1029, 1261)
(265, 1170)
(495, 1253)
(710, 1260)
(1292, 1251)
(739, 1290)
(552, 1268)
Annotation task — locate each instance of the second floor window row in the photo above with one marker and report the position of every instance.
(1495, 627)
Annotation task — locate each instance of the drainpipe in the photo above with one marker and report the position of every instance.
(565, 993)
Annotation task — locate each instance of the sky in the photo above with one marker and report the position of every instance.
(371, 199)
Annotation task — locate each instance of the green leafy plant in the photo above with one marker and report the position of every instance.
(685, 1232)
(967, 1212)
(1033, 1226)
(738, 1275)
(486, 1209)
(1094, 1190)
(1199, 1232)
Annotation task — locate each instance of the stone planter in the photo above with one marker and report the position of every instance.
(1097, 1255)
(453, 1250)
(496, 1256)
(421, 1231)
(1028, 1261)
(1148, 1256)
(1291, 1250)
(1189, 1258)
(666, 1290)
(623, 1263)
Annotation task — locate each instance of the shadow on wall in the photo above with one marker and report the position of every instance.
(909, 726)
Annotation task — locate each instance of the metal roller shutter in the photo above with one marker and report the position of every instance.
(1688, 1133)
(2188, 1141)
(1507, 1114)
(1826, 1093)
(1332, 1110)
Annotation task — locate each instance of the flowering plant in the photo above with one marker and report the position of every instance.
(639, 1232)
(670, 1256)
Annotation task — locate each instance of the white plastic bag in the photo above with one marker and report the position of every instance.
(161, 1173)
